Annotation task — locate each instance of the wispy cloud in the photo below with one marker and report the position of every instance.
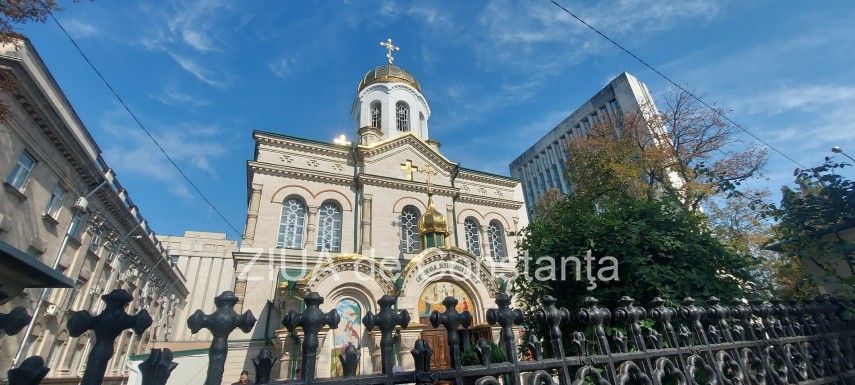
(195, 147)
(174, 97)
(217, 80)
(79, 29)
(284, 67)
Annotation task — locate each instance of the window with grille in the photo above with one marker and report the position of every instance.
(376, 115)
(410, 229)
(21, 171)
(329, 227)
(496, 234)
(402, 114)
(291, 224)
(473, 236)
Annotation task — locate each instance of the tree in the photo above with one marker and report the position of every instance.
(816, 227)
(686, 152)
(12, 13)
(661, 250)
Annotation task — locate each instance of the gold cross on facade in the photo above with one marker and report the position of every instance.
(429, 171)
(389, 48)
(408, 167)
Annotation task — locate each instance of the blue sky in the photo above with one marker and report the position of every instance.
(201, 75)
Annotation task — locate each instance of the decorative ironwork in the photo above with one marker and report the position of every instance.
(291, 224)
(263, 365)
(329, 227)
(155, 370)
(311, 320)
(473, 236)
(31, 372)
(410, 229)
(386, 320)
(14, 321)
(496, 235)
(752, 342)
(106, 326)
(221, 323)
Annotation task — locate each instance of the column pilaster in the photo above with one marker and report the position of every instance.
(252, 213)
(366, 223)
(312, 212)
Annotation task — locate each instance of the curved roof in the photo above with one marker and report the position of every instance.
(388, 74)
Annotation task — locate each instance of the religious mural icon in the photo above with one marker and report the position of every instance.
(434, 293)
(348, 333)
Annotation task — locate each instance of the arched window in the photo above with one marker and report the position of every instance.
(291, 224)
(376, 115)
(410, 229)
(329, 227)
(402, 114)
(496, 234)
(473, 236)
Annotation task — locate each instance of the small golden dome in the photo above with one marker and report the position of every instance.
(386, 74)
(432, 221)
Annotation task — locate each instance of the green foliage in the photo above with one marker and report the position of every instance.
(497, 355)
(469, 358)
(662, 250)
(813, 220)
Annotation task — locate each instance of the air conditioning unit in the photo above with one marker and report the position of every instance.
(81, 204)
(172, 296)
(51, 310)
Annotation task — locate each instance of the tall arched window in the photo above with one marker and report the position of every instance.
(402, 114)
(376, 115)
(410, 229)
(329, 227)
(291, 224)
(473, 236)
(496, 234)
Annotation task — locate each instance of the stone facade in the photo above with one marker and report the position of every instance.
(101, 242)
(206, 260)
(339, 219)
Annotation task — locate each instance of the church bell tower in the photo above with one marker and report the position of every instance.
(389, 103)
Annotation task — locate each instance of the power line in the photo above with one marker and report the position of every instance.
(139, 123)
(681, 88)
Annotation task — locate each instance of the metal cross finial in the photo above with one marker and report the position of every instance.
(429, 171)
(311, 320)
(452, 319)
(107, 326)
(506, 318)
(389, 48)
(386, 320)
(220, 323)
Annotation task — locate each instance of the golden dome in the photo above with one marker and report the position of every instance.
(387, 74)
(432, 221)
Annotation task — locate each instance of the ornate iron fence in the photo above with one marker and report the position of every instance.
(746, 343)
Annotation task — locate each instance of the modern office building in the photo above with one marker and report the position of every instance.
(541, 167)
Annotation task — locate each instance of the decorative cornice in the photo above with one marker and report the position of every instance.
(492, 202)
(403, 139)
(402, 184)
(298, 173)
(300, 144)
(479, 176)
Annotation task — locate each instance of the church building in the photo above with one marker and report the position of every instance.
(387, 213)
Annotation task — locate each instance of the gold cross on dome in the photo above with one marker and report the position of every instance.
(408, 167)
(429, 171)
(389, 48)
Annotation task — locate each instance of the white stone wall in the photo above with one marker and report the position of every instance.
(388, 95)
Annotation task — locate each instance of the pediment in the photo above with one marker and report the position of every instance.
(389, 158)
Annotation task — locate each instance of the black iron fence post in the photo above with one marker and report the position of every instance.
(106, 326)
(221, 323)
(507, 318)
(553, 318)
(452, 319)
(386, 320)
(311, 320)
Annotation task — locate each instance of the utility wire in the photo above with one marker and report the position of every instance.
(139, 123)
(681, 88)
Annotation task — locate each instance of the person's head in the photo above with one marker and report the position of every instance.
(299, 374)
(349, 326)
(244, 377)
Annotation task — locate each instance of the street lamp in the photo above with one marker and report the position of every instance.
(838, 150)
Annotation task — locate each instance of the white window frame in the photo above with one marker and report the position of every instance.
(472, 235)
(55, 201)
(402, 117)
(21, 172)
(409, 227)
(496, 235)
(290, 235)
(329, 227)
